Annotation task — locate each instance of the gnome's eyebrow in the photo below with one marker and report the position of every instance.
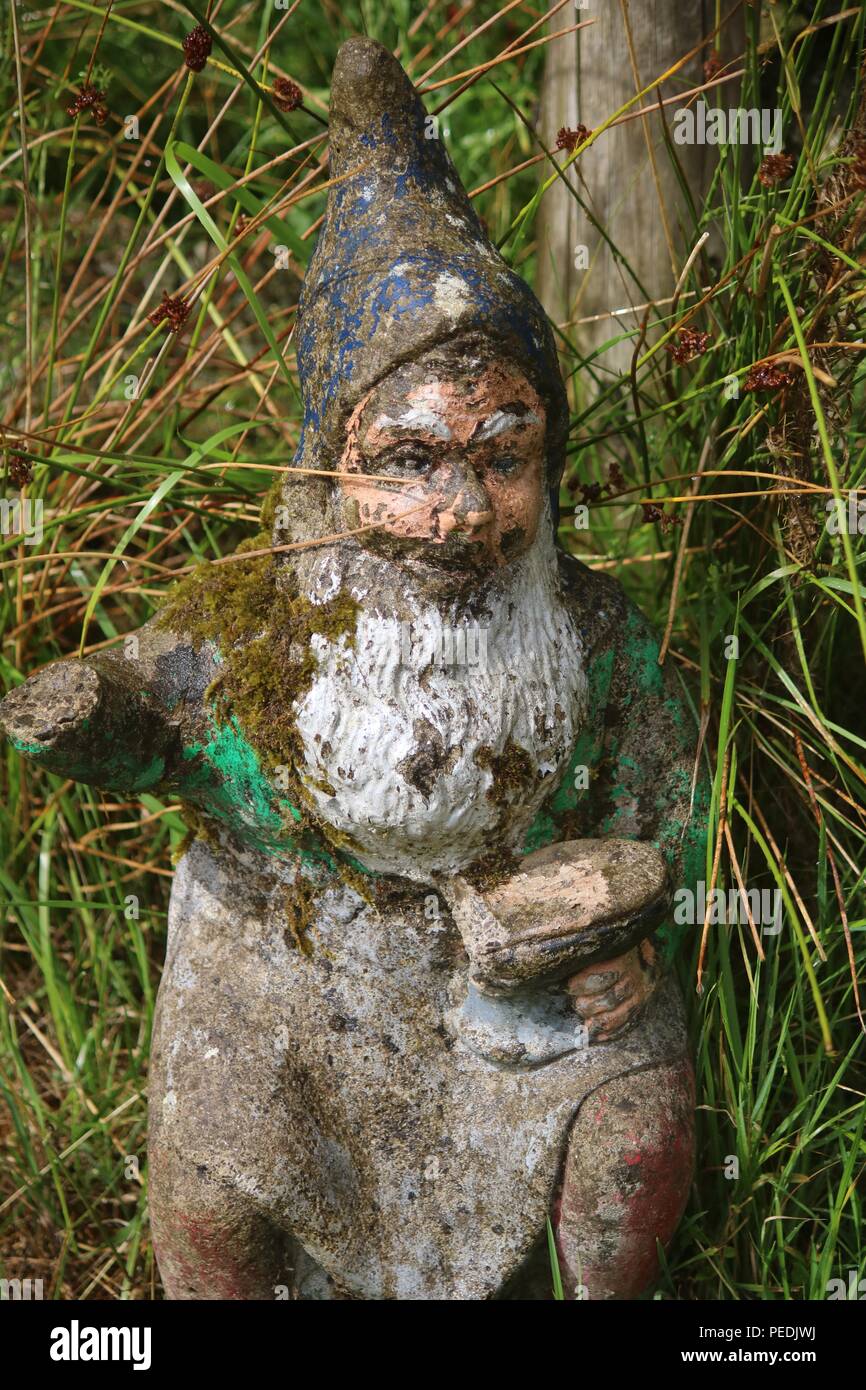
(416, 418)
(421, 419)
(501, 421)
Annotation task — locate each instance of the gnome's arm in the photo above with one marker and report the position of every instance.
(592, 910)
(652, 792)
(140, 720)
(117, 719)
(650, 785)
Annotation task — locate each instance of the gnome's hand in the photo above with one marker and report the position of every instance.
(611, 996)
(568, 907)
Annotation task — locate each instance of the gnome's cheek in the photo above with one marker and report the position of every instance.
(517, 504)
(411, 515)
(417, 523)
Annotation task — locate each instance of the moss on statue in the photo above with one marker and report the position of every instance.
(198, 827)
(261, 629)
(512, 769)
(492, 869)
(300, 914)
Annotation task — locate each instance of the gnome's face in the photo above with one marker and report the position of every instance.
(464, 440)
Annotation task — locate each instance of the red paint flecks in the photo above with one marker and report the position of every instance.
(203, 1257)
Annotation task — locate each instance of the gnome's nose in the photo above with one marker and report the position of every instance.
(470, 508)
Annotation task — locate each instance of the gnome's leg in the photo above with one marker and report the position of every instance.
(211, 1241)
(626, 1176)
(209, 1138)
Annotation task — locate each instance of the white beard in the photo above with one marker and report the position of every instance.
(369, 714)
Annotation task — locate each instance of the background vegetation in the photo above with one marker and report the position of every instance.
(707, 482)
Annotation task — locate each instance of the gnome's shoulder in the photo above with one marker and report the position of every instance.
(621, 649)
(604, 615)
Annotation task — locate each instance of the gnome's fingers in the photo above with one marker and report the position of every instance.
(92, 722)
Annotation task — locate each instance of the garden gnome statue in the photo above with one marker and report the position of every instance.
(440, 793)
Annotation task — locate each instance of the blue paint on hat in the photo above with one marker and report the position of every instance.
(402, 263)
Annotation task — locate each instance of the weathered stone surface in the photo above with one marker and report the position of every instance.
(349, 1094)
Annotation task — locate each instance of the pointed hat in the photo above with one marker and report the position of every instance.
(402, 263)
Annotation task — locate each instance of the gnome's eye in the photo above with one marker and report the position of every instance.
(506, 464)
(409, 461)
